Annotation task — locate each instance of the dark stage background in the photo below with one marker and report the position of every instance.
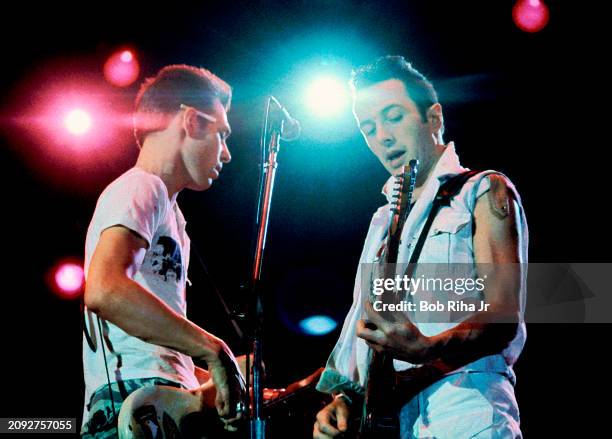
(525, 104)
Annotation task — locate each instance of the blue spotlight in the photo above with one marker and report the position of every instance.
(327, 96)
(318, 325)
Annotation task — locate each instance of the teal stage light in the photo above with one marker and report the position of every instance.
(318, 325)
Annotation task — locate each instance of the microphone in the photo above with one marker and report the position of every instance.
(291, 128)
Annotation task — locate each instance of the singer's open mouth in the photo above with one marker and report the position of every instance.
(395, 156)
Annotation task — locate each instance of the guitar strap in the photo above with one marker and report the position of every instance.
(446, 192)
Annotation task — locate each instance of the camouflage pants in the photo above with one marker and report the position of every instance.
(102, 422)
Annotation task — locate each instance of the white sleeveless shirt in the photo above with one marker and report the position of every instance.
(449, 240)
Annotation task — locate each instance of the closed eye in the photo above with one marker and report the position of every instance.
(394, 114)
(369, 129)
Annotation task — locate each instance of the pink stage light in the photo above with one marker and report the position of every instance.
(76, 122)
(530, 15)
(73, 129)
(121, 68)
(77, 133)
(67, 279)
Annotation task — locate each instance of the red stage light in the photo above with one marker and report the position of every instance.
(72, 127)
(67, 279)
(530, 15)
(121, 68)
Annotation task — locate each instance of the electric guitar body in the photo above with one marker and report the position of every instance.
(164, 412)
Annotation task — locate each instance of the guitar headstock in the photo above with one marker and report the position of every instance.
(402, 195)
(400, 207)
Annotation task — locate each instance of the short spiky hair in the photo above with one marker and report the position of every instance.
(418, 87)
(175, 85)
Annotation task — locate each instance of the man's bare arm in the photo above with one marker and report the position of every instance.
(496, 248)
(114, 296)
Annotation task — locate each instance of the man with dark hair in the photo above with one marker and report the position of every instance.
(137, 333)
(420, 90)
(465, 366)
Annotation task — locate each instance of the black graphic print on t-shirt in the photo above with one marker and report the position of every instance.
(166, 259)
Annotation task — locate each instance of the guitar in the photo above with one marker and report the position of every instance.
(379, 417)
(163, 412)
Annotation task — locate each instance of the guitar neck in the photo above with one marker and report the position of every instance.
(380, 417)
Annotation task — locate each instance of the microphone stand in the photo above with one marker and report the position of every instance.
(274, 127)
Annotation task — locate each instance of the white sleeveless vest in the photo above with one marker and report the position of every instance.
(449, 240)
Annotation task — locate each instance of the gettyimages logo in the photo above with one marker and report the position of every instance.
(535, 293)
(412, 286)
(444, 293)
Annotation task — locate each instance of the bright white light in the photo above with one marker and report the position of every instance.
(126, 56)
(318, 325)
(78, 122)
(326, 96)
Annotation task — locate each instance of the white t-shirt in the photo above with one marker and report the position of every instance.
(139, 201)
